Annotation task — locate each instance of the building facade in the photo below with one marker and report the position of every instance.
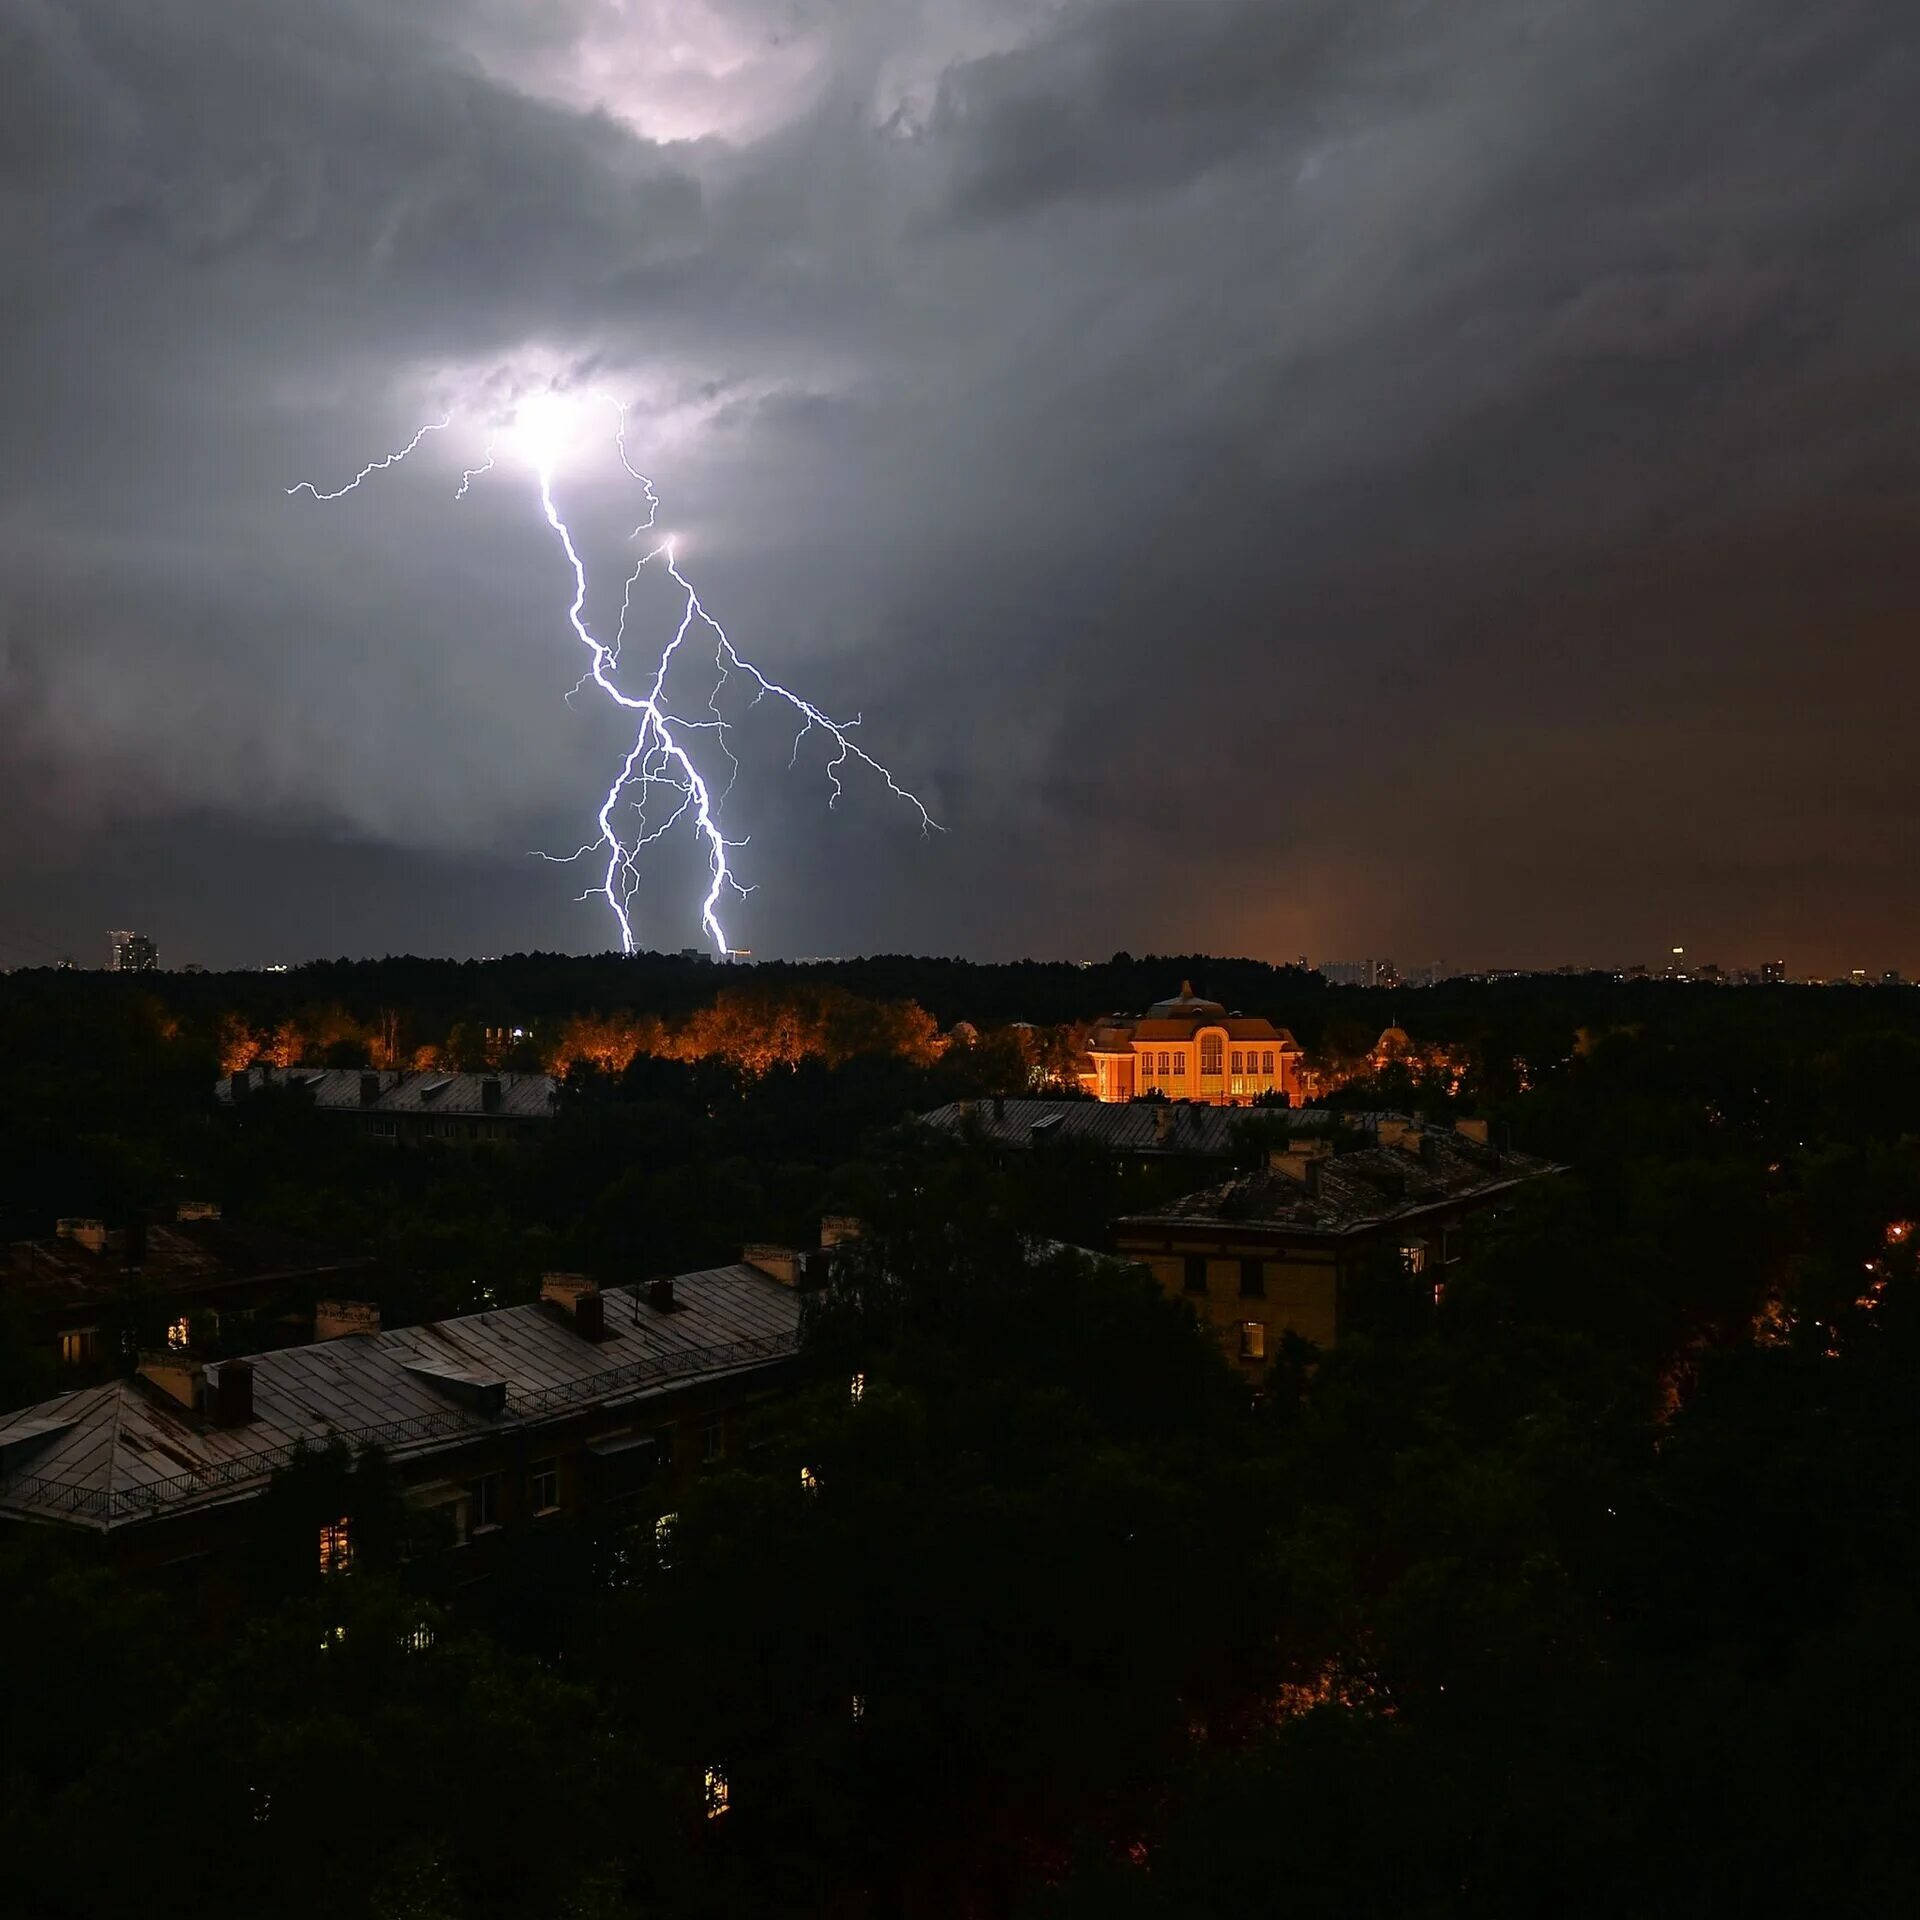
(1275, 1251)
(1187, 1048)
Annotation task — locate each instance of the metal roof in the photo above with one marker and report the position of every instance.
(193, 1256)
(523, 1096)
(1352, 1192)
(1140, 1126)
(117, 1454)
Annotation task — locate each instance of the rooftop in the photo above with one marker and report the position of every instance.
(111, 1456)
(1417, 1170)
(520, 1096)
(69, 1272)
(1134, 1127)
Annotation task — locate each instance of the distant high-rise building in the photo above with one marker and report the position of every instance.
(1773, 973)
(129, 952)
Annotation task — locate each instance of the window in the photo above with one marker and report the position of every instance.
(336, 1547)
(483, 1503)
(1196, 1273)
(1253, 1279)
(859, 1708)
(79, 1345)
(1211, 1050)
(1180, 1062)
(543, 1486)
(1163, 1060)
(1413, 1255)
(1266, 1066)
(857, 1388)
(179, 1335)
(419, 1638)
(1236, 1059)
(1439, 1293)
(713, 1442)
(663, 1537)
(1253, 1339)
(809, 1480)
(717, 1796)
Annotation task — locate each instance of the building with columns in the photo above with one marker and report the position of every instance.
(1192, 1049)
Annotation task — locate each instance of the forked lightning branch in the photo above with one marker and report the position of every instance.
(679, 771)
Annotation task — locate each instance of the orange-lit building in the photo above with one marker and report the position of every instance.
(1192, 1049)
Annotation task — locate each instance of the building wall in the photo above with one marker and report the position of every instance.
(1178, 1068)
(1300, 1292)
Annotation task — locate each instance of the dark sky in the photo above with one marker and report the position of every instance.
(1278, 476)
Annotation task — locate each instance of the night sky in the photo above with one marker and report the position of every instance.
(1276, 476)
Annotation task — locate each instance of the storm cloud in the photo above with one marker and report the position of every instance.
(1275, 475)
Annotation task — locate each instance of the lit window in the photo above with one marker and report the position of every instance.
(1413, 1255)
(179, 1335)
(713, 1442)
(663, 1537)
(859, 1708)
(1180, 1062)
(78, 1346)
(543, 1486)
(718, 1797)
(336, 1547)
(1163, 1060)
(1236, 1059)
(1266, 1065)
(809, 1480)
(1439, 1293)
(420, 1639)
(333, 1637)
(1253, 1339)
(1211, 1052)
(857, 1388)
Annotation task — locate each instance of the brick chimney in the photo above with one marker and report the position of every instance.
(337, 1319)
(232, 1392)
(835, 1227)
(777, 1263)
(369, 1089)
(177, 1376)
(564, 1290)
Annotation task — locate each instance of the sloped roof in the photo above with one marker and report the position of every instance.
(1142, 1126)
(197, 1256)
(124, 1452)
(1355, 1191)
(523, 1096)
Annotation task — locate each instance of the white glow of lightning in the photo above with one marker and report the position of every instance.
(662, 760)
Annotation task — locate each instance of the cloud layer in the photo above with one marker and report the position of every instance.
(1276, 474)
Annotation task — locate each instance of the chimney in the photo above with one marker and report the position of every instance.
(175, 1375)
(490, 1094)
(1473, 1130)
(369, 1089)
(1300, 1160)
(566, 1290)
(136, 1241)
(91, 1234)
(835, 1227)
(238, 1082)
(232, 1392)
(337, 1319)
(1396, 1130)
(590, 1316)
(777, 1263)
(660, 1293)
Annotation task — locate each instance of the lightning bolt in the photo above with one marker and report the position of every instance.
(664, 769)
